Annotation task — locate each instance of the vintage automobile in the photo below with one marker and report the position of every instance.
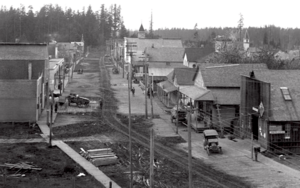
(115, 70)
(79, 101)
(181, 114)
(211, 142)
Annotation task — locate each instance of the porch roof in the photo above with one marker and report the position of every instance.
(154, 71)
(193, 92)
(167, 86)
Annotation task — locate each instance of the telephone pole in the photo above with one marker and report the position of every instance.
(177, 110)
(129, 121)
(146, 90)
(190, 145)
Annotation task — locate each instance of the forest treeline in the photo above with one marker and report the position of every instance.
(281, 38)
(52, 23)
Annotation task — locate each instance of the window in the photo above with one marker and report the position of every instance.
(286, 93)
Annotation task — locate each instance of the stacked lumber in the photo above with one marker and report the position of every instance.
(100, 157)
(18, 169)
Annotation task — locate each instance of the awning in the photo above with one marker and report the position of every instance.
(193, 92)
(167, 86)
(153, 71)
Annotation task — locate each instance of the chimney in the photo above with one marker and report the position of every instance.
(252, 74)
(29, 71)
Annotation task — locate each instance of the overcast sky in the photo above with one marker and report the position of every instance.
(186, 13)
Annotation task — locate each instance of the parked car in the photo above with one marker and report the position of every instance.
(79, 101)
(181, 114)
(211, 141)
(115, 70)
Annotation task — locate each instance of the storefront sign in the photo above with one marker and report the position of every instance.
(277, 132)
(276, 129)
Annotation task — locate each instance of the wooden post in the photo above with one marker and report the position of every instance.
(250, 123)
(252, 145)
(190, 146)
(151, 101)
(177, 110)
(129, 122)
(151, 156)
(220, 122)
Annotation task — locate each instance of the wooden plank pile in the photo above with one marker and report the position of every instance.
(18, 169)
(100, 157)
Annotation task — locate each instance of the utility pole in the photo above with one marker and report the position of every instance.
(151, 156)
(146, 106)
(151, 99)
(177, 110)
(190, 145)
(51, 119)
(129, 121)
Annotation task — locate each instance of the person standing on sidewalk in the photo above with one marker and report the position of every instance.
(101, 103)
(133, 91)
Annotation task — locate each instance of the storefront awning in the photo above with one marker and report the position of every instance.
(193, 92)
(167, 86)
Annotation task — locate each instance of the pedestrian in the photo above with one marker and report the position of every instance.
(56, 107)
(148, 93)
(133, 91)
(100, 103)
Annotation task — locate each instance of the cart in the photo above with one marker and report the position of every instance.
(211, 141)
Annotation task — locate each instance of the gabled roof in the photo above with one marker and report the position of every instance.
(165, 54)
(142, 44)
(282, 110)
(228, 75)
(226, 96)
(195, 54)
(141, 28)
(184, 76)
(23, 51)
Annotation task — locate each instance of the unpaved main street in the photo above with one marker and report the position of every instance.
(95, 83)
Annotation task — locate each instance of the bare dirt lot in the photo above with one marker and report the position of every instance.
(18, 131)
(58, 170)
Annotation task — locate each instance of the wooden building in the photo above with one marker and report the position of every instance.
(270, 109)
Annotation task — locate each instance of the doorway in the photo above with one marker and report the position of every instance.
(254, 123)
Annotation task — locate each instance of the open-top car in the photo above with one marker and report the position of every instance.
(181, 114)
(79, 101)
(211, 141)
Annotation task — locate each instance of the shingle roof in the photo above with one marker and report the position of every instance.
(282, 110)
(166, 54)
(164, 65)
(194, 54)
(184, 76)
(193, 92)
(167, 86)
(228, 96)
(18, 51)
(228, 75)
(142, 44)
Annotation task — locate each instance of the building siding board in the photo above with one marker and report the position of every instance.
(18, 100)
(18, 69)
(18, 110)
(18, 89)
